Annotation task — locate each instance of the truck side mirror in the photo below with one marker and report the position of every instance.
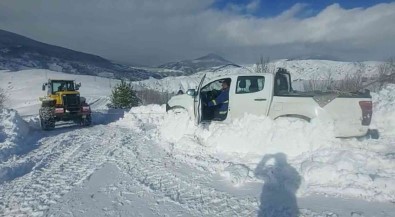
(43, 87)
(191, 92)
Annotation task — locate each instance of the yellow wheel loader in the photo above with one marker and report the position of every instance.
(63, 103)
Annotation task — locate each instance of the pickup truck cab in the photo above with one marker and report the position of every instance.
(272, 95)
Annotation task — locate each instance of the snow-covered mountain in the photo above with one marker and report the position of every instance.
(189, 67)
(314, 56)
(18, 52)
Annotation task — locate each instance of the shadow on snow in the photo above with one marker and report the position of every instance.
(281, 182)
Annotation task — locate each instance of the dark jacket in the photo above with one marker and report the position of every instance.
(222, 101)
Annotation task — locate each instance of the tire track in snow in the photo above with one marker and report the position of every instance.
(156, 169)
(188, 190)
(63, 161)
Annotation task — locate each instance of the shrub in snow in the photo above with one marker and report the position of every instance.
(387, 73)
(350, 83)
(123, 96)
(149, 96)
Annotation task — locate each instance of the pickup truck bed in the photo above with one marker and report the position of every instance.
(320, 93)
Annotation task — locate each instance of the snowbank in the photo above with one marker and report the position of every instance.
(142, 118)
(384, 110)
(13, 129)
(354, 170)
(248, 136)
(327, 165)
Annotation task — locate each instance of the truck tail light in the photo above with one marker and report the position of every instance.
(366, 107)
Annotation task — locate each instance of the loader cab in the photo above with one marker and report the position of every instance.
(55, 86)
(61, 85)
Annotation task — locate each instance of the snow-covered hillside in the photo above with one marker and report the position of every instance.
(18, 52)
(299, 69)
(146, 162)
(199, 64)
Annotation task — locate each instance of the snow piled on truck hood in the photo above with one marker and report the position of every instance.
(350, 168)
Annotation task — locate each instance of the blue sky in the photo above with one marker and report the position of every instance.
(272, 8)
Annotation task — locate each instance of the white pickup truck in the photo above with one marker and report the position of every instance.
(272, 95)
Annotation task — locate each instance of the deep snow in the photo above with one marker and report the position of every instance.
(13, 130)
(148, 162)
(350, 168)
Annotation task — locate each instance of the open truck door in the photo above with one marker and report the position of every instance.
(198, 103)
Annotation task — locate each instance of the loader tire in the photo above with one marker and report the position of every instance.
(47, 118)
(87, 121)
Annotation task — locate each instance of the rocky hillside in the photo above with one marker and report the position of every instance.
(202, 63)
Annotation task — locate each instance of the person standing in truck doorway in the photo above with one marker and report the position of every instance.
(221, 103)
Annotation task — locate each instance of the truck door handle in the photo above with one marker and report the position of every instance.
(260, 99)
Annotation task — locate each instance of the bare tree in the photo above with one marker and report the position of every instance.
(149, 96)
(320, 83)
(2, 98)
(350, 83)
(387, 73)
(263, 66)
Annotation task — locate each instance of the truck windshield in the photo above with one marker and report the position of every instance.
(62, 86)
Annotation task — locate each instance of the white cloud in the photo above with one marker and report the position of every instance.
(249, 8)
(156, 31)
(253, 6)
(293, 11)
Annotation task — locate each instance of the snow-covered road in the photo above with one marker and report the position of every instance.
(67, 157)
(135, 176)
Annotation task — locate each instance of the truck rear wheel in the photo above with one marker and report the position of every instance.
(373, 134)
